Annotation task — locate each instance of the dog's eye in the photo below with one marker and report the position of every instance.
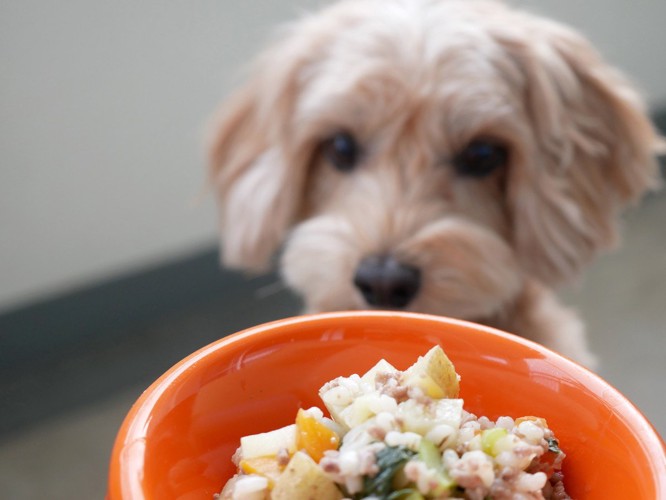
(481, 157)
(342, 151)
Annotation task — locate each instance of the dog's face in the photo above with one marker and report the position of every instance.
(427, 155)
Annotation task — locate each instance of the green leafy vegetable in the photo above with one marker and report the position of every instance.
(405, 494)
(553, 445)
(389, 460)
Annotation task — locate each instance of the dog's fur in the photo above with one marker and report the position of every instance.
(415, 81)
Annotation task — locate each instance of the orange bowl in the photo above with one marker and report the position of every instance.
(178, 438)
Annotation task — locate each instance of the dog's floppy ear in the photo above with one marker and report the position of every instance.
(592, 150)
(256, 176)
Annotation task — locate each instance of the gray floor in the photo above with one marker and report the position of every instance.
(623, 300)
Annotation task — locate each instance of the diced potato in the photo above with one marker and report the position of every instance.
(303, 479)
(365, 407)
(434, 374)
(249, 488)
(335, 411)
(269, 443)
(449, 411)
(371, 374)
(227, 492)
(336, 399)
(339, 394)
(421, 419)
(352, 404)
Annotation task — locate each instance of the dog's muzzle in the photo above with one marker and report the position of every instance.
(385, 282)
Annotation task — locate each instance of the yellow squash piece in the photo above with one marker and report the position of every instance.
(530, 418)
(314, 437)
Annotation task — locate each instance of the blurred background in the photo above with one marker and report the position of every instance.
(108, 248)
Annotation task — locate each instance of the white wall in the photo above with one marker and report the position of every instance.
(630, 33)
(103, 105)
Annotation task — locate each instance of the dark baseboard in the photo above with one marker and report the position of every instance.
(44, 328)
(660, 122)
(69, 351)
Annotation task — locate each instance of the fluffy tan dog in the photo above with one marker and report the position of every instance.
(442, 156)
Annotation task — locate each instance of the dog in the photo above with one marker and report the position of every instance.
(450, 157)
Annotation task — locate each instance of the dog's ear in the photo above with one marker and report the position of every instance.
(256, 176)
(591, 150)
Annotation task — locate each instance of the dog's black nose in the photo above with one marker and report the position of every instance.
(385, 282)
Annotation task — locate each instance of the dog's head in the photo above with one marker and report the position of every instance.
(427, 155)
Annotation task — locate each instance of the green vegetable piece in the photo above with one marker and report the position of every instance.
(389, 460)
(553, 445)
(445, 483)
(405, 494)
(489, 438)
(430, 455)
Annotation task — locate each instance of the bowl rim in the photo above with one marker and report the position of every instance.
(125, 481)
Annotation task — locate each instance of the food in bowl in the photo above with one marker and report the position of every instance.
(399, 435)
